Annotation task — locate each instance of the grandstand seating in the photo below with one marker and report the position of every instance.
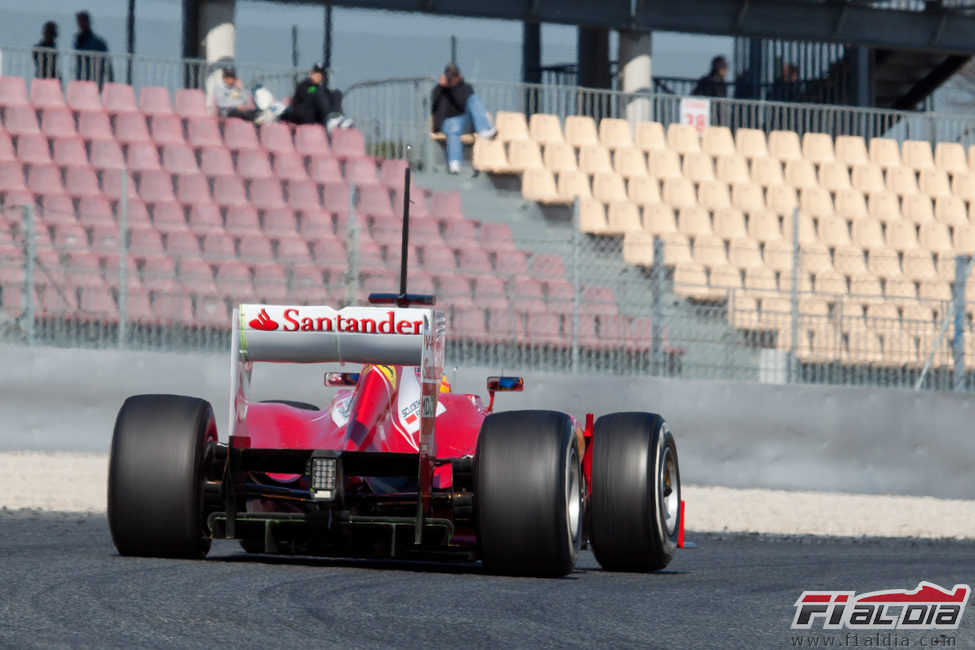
(879, 222)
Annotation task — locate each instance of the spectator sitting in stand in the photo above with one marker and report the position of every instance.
(46, 53)
(454, 108)
(713, 83)
(231, 98)
(313, 103)
(787, 87)
(91, 67)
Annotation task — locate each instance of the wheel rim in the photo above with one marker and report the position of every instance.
(573, 496)
(669, 491)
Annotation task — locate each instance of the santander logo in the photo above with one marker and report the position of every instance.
(263, 322)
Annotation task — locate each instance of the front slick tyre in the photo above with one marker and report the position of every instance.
(634, 507)
(528, 492)
(156, 478)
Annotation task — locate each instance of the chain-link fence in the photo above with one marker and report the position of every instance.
(785, 310)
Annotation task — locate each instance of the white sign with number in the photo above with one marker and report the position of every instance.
(696, 112)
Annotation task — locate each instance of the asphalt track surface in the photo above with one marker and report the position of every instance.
(63, 585)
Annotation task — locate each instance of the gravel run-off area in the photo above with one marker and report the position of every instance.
(76, 482)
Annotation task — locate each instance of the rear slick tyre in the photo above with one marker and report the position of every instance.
(156, 476)
(634, 506)
(528, 493)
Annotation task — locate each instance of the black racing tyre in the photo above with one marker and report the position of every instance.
(528, 493)
(634, 507)
(157, 478)
(287, 402)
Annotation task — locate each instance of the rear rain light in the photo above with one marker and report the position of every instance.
(323, 472)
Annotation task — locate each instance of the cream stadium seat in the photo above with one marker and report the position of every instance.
(751, 143)
(784, 145)
(678, 192)
(918, 264)
(917, 208)
(763, 226)
(649, 136)
(917, 316)
(615, 133)
(901, 180)
(829, 282)
(767, 171)
(713, 195)
(682, 138)
(834, 231)
(691, 281)
(900, 289)
(934, 289)
(747, 197)
(815, 257)
(934, 182)
(963, 185)
(782, 199)
(885, 152)
(659, 219)
(820, 346)
(778, 255)
(862, 347)
(848, 259)
(851, 149)
(573, 183)
(743, 311)
(694, 221)
(744, 253)
(867, 233)
(807, 228)
(539, 185)
(560, 157)
(866, 286)
(851, 311)
(524, 154)
(643, 190)
(942, 357)
(677, 248)
(901, 235)
(511, 126)
(805, 281)
(580, 130)
(883, 262)
(945, 263)
(709, 250)
(950, 156)
(490, 156)
(592, 217)
(638, 248)
(760, 280)
(608, 186)
(815, 308)
(717, 141)
(725, 277)
(776, 313)
(663, 163)
(884, 206)
(594, 159)
(800, 174)
(834, 175)
(698, 167)
(817, 147)
(851, 204)
(545, 129)
(630, 162)
(899, 348)
(815, 201)
(623, 217)
(868, 177)
(732, 168)
(916, 155)
(885, 313)
(935, 237)
(963, 239)
(950, 210)
(729, 223)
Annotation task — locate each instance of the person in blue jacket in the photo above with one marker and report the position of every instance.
(91, 67)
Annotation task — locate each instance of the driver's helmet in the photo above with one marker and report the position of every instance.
(444, 385)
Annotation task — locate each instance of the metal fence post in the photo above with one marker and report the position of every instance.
(30, 253)
(576, 289)
(962, 264)
(794, 343)
(656, 308)
(123, 224)
(352, 249)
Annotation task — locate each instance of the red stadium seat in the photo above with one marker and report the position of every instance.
(83, 96)
(174, 308)
(183, 244)
(94, 210)
(7, 152)
(118, 98)
(145, 241)
(13, 91)
(253, 164)
(316, 224)
(211, 311)
(192, 189)
(326, 169)
(489, 292)
(218, 246)
(266, 194)
(12, 177)
(418, 202)
(190, 102)
(280, 221)
(393, 173)
(360, 171)
(303, 195)
(548, 266)
(205, 218)
(276, 137)
(238, 134)
(328, 250)
(21, 120)
(271, 283)
(107, 154)
(599, 300)
(166, 129)
(446, 205)
(154, 100)
(81, 182)
(45, 177)
(460, 233)
(138, 309)
(156, 185)
(57, 122)
(229, 191)
(203, 132)
(94, 126)
(543, 329)
(242, 219)
(105, 238)
(159, 273)
(70, 152)
(57, 303)
(216, 161)
(505, 326)
(255, 247)
(234, 281)
(169, 217)
(511, 262)
(454, 290)
(374, 201)
(33, 149)
(336, 197)
(474, 260)
(131, 127)
(56, 208)
(497, 236)
(85, 270)
(179, 159)
(348, 143)
(560, 296)
(527, 295)
(290, 166)
(46, 93)
(197, 275)
(293, 250)
(310, 140)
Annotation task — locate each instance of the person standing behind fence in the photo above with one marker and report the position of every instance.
(91, 67)
(454, 107)
(713, 84)
(46, 53)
